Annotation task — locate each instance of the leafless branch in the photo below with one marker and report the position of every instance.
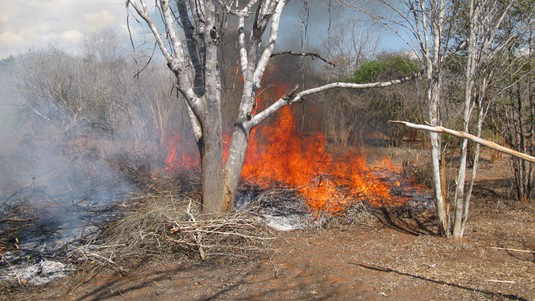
(310, 54)
(283, 101)
(489, 144)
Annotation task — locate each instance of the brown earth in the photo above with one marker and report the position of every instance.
(392, 257)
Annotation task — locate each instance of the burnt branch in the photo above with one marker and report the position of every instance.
(309, 54)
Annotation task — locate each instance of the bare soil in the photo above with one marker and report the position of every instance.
(393, 257)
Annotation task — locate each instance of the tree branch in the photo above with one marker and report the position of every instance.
(311, 54)
(297, 97)
(266, 54)
(489, 144)
(144, 14)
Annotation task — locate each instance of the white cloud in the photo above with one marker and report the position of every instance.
(4, 17)
(8, 38)
(72, 35)
(101, 16)
(62, 23)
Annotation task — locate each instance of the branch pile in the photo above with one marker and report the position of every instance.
(170, 225)
(234, 235)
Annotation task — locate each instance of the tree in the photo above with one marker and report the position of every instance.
(422, 25)
(442, 31)
(399, 102)
(347, 49)
(514, 111)
(485, 18)
(189, 36)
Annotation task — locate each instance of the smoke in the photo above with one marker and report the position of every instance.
(61, 127)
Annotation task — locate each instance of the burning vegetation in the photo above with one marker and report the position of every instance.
(93, 183)
(280, 155)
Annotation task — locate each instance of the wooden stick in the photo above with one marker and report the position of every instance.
(500, 281)
(18, 220)
(514, 250)
(489, 144)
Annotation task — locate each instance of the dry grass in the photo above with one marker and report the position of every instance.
(415, 165)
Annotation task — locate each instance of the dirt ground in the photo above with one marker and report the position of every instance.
(391, 257)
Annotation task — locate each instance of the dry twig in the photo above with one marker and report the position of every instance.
(513, 250)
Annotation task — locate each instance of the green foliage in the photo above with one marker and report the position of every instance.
(386, 67)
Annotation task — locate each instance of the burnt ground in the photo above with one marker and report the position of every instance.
(389, 257)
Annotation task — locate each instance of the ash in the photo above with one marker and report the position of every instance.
(280, 209)
(39, 230)
(36, 274)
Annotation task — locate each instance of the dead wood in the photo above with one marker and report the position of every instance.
(309, 54)
(168, 224)
(460, 134)
(16, 220)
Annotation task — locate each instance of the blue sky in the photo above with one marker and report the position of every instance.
(34, 24)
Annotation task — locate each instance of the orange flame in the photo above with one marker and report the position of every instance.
(180, 155)
(279, 154)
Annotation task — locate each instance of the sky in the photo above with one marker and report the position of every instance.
(37, 24)
(64, 24)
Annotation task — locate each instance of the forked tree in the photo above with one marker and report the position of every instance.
(189, 34)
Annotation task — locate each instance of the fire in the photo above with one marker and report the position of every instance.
(180, 154)
(280, 155)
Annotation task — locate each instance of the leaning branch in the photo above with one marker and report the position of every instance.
(298, 97)
(489, 144)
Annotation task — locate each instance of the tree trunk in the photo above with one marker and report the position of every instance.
(234, 164)
(435, 158)
(212, 124)
(211, 170)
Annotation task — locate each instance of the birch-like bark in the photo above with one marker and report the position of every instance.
(486, 17)
(433, 62)
(253, 67)
(470, 78)
(466, 202)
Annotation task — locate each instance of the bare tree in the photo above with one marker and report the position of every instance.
(347, 49)
(484, 22)
(476, 27)
(103, 47)
(189, 34)
(513, 114)
(422, 25)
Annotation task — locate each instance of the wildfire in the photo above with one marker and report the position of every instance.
(180, 155)
(280, 155)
